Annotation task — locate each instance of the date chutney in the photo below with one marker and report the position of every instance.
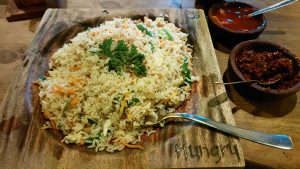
(268, 66)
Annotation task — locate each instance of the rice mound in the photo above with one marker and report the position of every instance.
(103, 109)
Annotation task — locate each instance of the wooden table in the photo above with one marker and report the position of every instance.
(272, 117)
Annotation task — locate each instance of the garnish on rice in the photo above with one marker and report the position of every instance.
(122, 57)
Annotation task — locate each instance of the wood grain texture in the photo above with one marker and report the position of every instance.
(23, 144)
(10, 47)
(271, 117)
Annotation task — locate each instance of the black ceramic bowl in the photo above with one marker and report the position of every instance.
(237, 27)
(288, 85)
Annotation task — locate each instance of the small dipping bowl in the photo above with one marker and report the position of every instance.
(257, 60)
(229, 24)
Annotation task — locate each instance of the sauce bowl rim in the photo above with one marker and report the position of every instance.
(218, 5)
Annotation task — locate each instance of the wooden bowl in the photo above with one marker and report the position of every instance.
(242, 30)
(256, 91)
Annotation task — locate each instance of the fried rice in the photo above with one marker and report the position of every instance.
(103, 109)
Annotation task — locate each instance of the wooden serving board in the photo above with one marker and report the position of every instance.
(180, 144)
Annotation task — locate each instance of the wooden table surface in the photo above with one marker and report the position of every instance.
(272, 117)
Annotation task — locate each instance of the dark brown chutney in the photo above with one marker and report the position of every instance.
(267, 66)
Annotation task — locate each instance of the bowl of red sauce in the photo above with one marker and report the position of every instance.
(229, 24)
(264, 61)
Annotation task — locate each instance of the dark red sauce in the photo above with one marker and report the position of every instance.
(235, 18)
(266, 66)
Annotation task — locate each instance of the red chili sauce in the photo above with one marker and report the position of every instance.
(235, 18)
(266, 66)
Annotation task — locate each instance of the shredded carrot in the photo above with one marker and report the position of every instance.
(74, 101)
(58, 89)
(47, 114)
(133, 146)
(81, 142)
(72, 83)
(53, 124)
(70, 91)
(74, 68)
(58, 86)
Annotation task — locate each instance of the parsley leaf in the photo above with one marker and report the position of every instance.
(144, 29)
(42, 78)
(136, 59)
(121, 57)
(186, 72)
(134, 100)
(121, 46)
(138, 67)
(116, 62)
(105, 47)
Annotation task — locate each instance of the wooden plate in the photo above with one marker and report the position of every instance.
(23, 144)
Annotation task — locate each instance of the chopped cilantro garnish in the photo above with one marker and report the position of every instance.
(186, 72)
(152, 47)
(42, 78)
(164, 33)
(89, 141)
(91, 121)
(105, 47)
(134, 100)
(67, 103)
(144, 29)
(169, 36)
(122, 57)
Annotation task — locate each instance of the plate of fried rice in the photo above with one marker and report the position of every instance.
(110, 80)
